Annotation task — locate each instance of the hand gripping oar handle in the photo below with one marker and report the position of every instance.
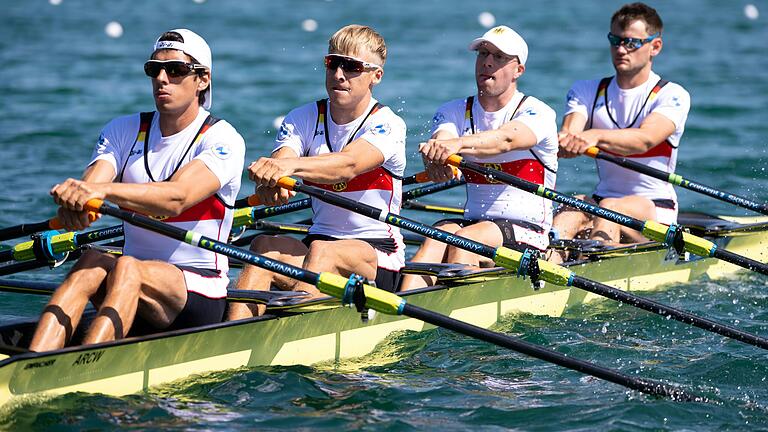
(390, 303)
(650, 229)
(678, 180)
(513, 260)
(26, 229)
(420, 177)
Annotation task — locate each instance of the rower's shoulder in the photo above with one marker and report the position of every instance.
(532, 102)
(128, 123)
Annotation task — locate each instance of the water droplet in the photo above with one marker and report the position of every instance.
(487, 20)
(309, 25)
(113, 29)
(55, 2)
(751, 12)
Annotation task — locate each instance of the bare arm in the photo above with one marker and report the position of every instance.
(513, 135)
(652, 131)
(358, 157)
(191, 184)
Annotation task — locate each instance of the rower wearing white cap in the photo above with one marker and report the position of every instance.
(506, 129)
(178, 163)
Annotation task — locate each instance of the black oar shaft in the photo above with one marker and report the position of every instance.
(678, 180)
(22, 230)
(434, 188)
(670, 312)
(554, 195)
(386, 299)
(646, 228)
(489, 252)
(539, 352)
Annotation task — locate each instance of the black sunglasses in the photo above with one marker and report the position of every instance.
(628, 42)
(174, 68)
(347, 64)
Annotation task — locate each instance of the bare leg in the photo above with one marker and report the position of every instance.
(431, 251)
(485, 232)
(342, 257)
(155, 290)
(62, 315)
(286, 249)
(632, 205)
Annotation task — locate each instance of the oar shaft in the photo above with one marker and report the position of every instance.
(651, 229)
(678, 180)
(23, 229)
(512, 259)
(670, 312)
(536, 351)
(389, 303)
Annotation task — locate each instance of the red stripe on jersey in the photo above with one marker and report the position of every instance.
(377, 179)
(209, 209)
(663, 149)
(526, 169)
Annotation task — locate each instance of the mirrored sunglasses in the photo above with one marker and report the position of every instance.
(630, 43)
(174, 68)
(348, 64)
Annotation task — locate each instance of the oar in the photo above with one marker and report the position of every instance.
(651, 229)
(247, 216)
(26, 229)
(678, 180)
(420, 177)
(415, 205)
(525, 264)
(51, 247)
(389, 303)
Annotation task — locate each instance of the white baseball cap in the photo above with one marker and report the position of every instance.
(194, 46)
(506, 40)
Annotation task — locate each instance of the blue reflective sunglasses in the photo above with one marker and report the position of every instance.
(630, 43)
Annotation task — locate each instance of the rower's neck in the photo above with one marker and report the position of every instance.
(173, 123)
(631, 80)
(342, 115)
(498, 102)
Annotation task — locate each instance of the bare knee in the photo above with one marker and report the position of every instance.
(126, 269)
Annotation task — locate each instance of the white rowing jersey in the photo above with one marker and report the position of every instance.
(606, 106)
(310, 131)
(488, 200)
(140, 154)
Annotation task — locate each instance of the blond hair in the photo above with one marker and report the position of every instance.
(355, 39)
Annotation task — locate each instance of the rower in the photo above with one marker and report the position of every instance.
(352, 145)
(179, 164)
(507, 130)
(634, 114)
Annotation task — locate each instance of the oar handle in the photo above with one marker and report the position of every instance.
(55, 223)
(94, 205)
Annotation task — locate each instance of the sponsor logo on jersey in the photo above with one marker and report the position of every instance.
(101, 145)
(338, 187)
(382, 129)
(438, 118)
(529, 111)
(283, 132)
(222, 151)
(135, 152)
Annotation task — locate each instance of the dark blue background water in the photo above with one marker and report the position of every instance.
(64, 78)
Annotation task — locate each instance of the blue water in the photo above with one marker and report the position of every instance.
(64, 78)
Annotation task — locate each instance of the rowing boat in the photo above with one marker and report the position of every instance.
(321, 330)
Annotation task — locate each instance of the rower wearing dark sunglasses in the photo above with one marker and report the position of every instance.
(502, 128)
(348, 143)
(177, 163)
(634, 114)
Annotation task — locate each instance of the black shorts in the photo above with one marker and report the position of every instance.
(505, 225)
(388, 280)
(660, 203)
(199, 310)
